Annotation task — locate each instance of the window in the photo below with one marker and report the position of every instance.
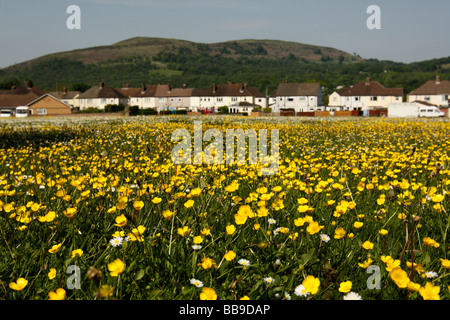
(356, 98)
(147, 99)
(301, 98)
(373, 98)
(427, 98)
(103, 101)
(89, 101)
(219, 99)
(397, 98)
(41, 111)
(290, 99)
(234, 99)
(445, 97)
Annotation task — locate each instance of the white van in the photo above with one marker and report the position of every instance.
(22, 112)
(414, 110)
(430, 111)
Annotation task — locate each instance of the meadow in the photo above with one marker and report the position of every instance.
(94, 208)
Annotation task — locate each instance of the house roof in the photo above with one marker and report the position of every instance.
(369, 88)
(228, 90)
(47, 95)
(102, 91)
(19, 96)
(127, 91)
(65, 94)
(433, 87)
(166, 90)
(297, 89)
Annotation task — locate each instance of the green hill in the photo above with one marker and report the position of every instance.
(260, 63)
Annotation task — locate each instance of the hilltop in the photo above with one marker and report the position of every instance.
(261, 63)
(147, 47)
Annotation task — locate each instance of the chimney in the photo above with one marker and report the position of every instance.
(100, 85)
(125, 86)
(27, 84)
(184, 86)
(214, 87)
(245, 85)
(64, 90)
(367, 81)
(438, 79)
(142, 87)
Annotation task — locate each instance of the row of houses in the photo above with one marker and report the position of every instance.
(239, 98)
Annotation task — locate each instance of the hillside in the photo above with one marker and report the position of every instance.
(150, 47)
(261, 63)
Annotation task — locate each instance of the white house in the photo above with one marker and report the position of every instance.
(68, 97)
(100, 96)
(237, 97)
(144, 98)
(301, 97)
(365, 96)
(435, 92)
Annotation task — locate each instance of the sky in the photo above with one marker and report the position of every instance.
(410, 30)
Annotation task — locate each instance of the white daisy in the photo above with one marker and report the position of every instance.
(272, 221)
(244, 262)
(324, 237)
(196, 283)
(352, 296)
(269, 279)
(300, 291)
(431, 274)
(117, 241)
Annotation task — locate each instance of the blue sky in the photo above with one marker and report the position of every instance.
(411, 30)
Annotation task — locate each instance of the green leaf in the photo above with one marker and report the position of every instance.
(140, 274)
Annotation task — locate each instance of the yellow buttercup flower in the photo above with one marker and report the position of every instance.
(430, 292)
(55, 248)
(138, 205)
(207, 263)
(70, 212)
(58, 294)
(230, 255)
(167, 214)
(345, 287)
(184, 231)
(208, 294)
(77, 252)
(121, 221)
(51, 274)
(189, 204)
(311, 284)
(116, 268)
(19, 285)
(400, 277)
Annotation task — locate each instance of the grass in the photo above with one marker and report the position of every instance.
(351, 197)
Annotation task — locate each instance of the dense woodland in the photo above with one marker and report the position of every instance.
(200, 70)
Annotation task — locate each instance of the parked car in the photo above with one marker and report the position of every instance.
(5, 113)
